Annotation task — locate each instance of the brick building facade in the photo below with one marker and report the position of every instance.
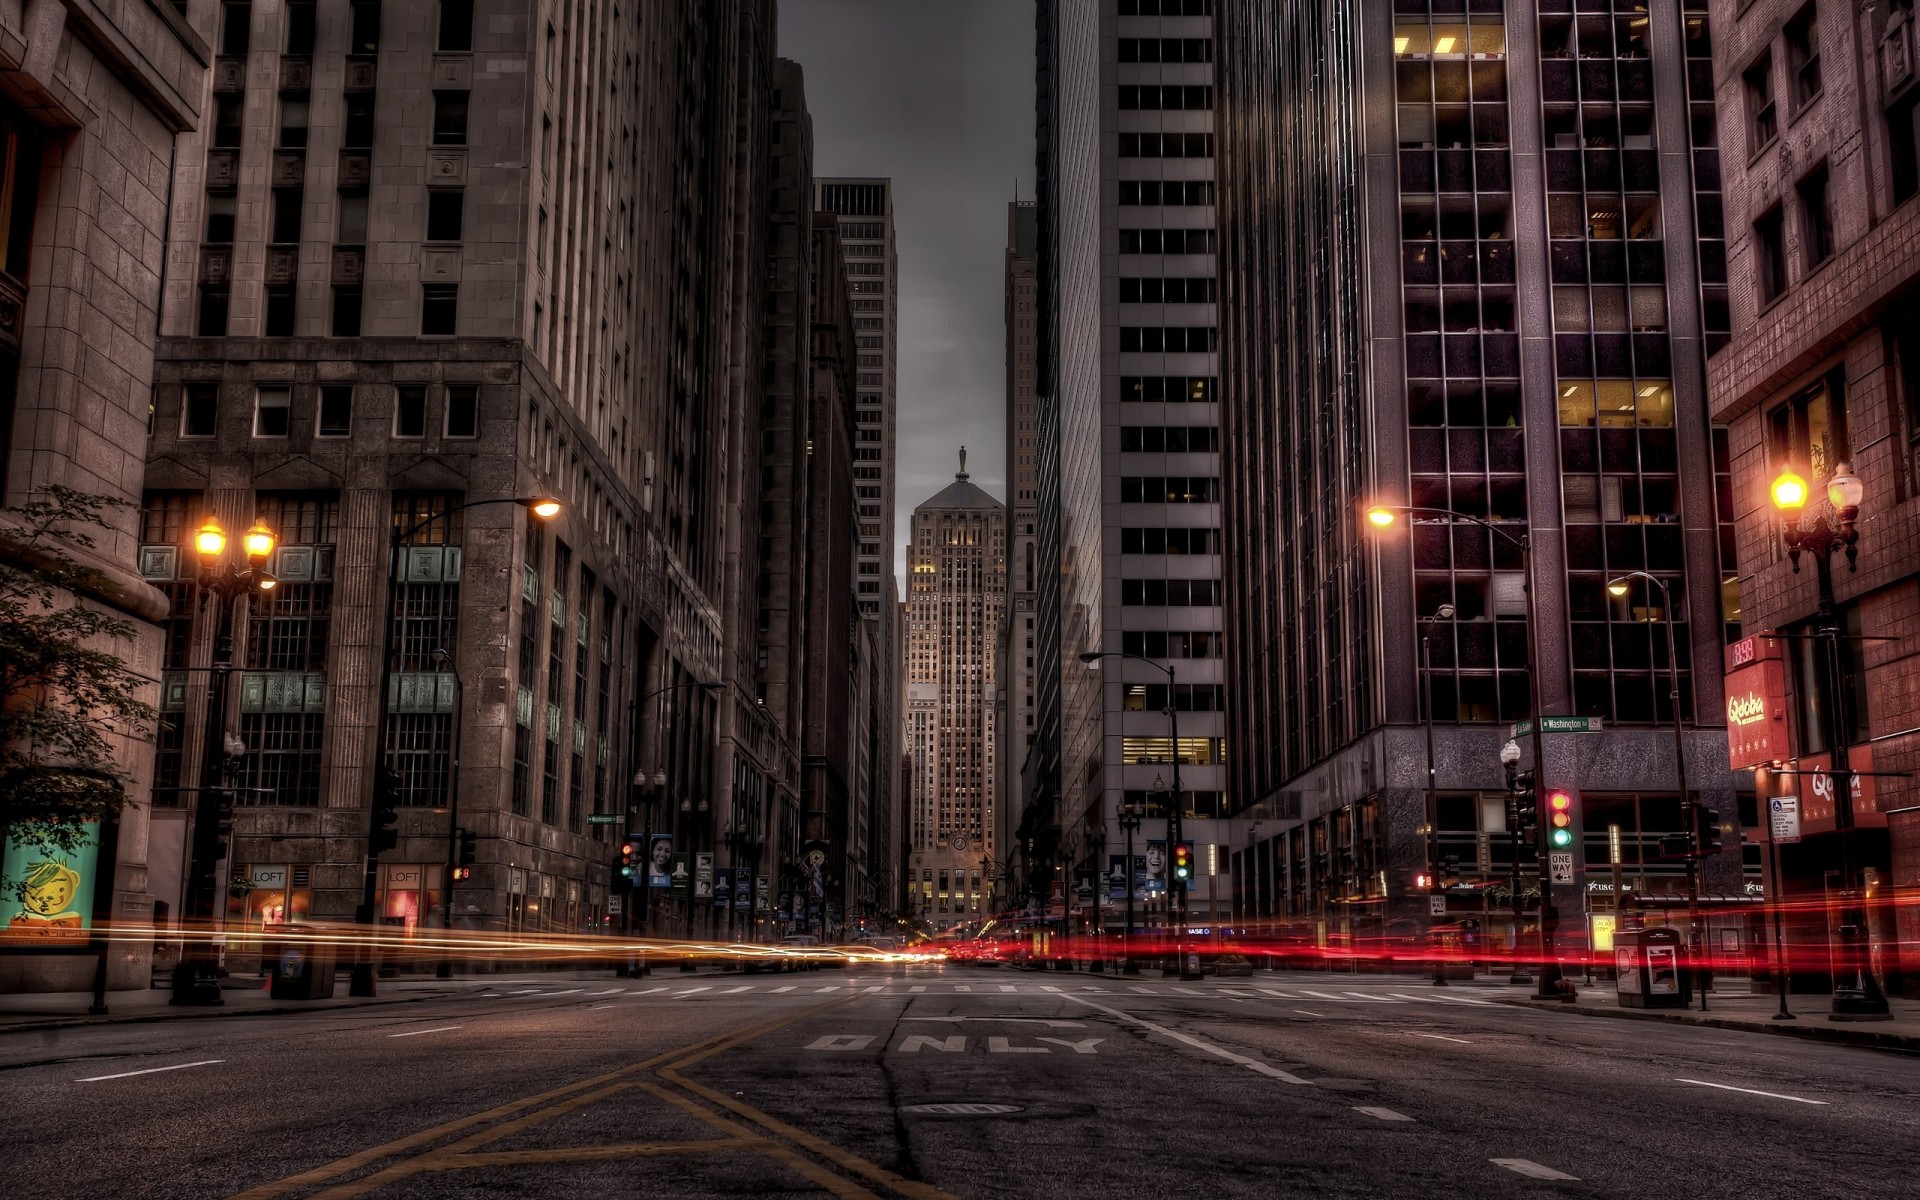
(1821, 168)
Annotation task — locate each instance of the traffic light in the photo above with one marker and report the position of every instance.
(1182, 861)
(468, 849)
(1526, 810)
(1450, 870)
(1706, 830)
(218, 841)
(627, 868)
(1561, 832)
(384, 832)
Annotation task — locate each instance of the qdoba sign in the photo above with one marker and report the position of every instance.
(1756, 703)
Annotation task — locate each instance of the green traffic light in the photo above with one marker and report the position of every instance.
(1563, 837)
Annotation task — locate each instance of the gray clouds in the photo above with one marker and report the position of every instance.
(938, 95)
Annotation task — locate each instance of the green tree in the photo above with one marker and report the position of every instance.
(64, 696)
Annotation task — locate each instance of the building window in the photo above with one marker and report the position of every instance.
(445, 207)
(284, 762)
(357, 129)
(364, 37)
(1803, 56)
(410, 411)
(336, 410)
(280, 311)
(456, 25)
(1810, 432)
(300, 26)
(1769, 256)
(293, 122)
(450, 118)
(220, 214)
(439, 309)
(235, 27)
(212, 317)
(346, 312)
(272, 411)
(1816, 218)
(286, 216)
(463, 411)
(288, 628)
(199, 408)
(353, 219)
(1763, 121)
(228, 108)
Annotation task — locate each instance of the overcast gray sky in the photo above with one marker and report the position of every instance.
(937, 94)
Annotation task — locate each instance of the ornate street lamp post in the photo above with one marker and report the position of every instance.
(1434, 888)
(196, 978)
(1858, 996)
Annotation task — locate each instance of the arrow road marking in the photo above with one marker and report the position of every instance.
(1529, 1168)
(151, 1070)
(1749, 1091)
(418, 1032)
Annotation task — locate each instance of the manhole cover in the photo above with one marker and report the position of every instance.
(962, 1110)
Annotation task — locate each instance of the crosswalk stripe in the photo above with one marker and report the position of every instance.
(1006, 987)
(1282, 995)
(779, 990)
(832, 987)
(608, 992)
(737, 991)
(691, 991)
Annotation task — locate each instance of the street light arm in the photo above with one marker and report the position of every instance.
(1518, 543)
(1093, 656)
(400, 536)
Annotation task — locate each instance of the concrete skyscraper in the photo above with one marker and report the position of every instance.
(1472, 265)
(1017, 671)
(956, 561)
(1128, 437)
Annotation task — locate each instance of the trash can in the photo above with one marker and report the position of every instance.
(1649, 968)
(302, 970)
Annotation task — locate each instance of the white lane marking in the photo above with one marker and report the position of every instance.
(1143, 991)
(737, 991)
(1326, 996)
(1726, 1087)
(418, 1032)
(491, 995)
(591, 1007)
(151, 1070)
(648, 991)
(568, 992)
(1282, 995)
(1231, 992)
(1047, 1021)
(523, 992)
(691, 991)
(779, 990)
(832, 987)
(1441, 1037)
(608, 992)
(1206, 1047)
(1305, 1012)
(1444, 999)
(1385, 1114)
(1530, 1169)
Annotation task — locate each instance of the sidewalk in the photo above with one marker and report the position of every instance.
(1749, 1012)
(248, 997)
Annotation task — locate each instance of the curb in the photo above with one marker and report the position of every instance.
(201, 1014)
(208, 1013)
(1842, 1035)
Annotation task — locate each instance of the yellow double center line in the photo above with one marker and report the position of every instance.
(430, 1151)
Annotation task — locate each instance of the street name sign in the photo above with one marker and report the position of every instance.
(603, 818)
(1558, 725)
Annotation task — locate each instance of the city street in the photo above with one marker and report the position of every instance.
(931, 1081)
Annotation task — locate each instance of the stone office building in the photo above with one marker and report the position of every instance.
(88, 138)
(428, 255)
(1480, 273)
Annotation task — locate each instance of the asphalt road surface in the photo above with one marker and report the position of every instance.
(930, 1082)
